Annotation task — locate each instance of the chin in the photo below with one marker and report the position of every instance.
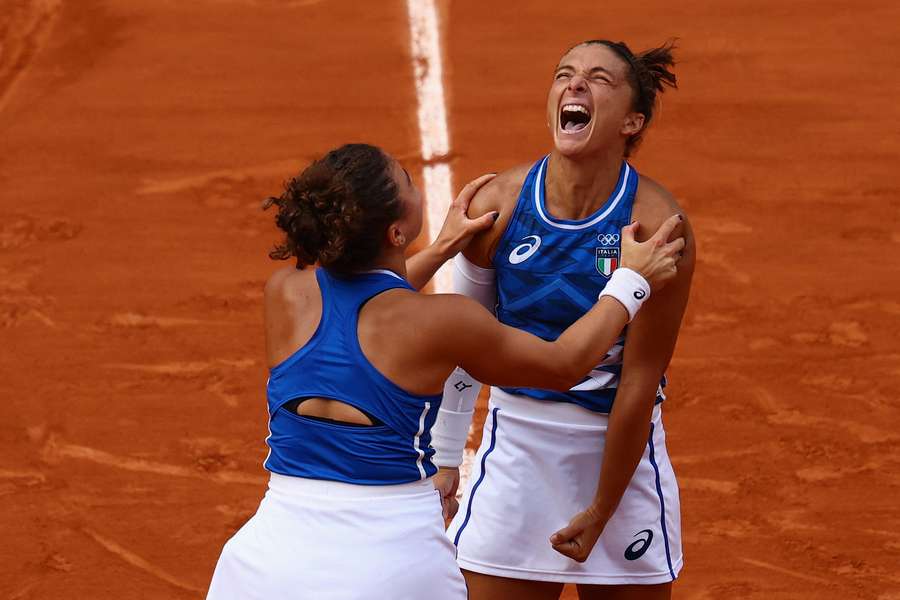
(570, 148)
(574, 145)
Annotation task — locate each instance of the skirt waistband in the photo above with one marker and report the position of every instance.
(561, 413)
(338, 490)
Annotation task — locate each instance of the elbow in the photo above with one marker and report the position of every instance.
(562, 367)
(565, 376)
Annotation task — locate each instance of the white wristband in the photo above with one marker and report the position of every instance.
(629, 288)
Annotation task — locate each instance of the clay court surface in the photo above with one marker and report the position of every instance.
(137, 139)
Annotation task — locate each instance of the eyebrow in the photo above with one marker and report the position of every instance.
(591, 72)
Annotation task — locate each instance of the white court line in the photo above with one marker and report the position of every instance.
(426, 59)
(425, 47)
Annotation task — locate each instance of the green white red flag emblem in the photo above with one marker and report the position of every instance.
(607, 260)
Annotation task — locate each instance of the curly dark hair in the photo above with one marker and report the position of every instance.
(649, 73)
(336, 212)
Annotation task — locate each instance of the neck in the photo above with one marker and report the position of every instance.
(576, 188)
(391, 261)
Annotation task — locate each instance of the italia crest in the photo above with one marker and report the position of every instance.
(607, 260)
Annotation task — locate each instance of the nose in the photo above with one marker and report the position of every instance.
(577, 83)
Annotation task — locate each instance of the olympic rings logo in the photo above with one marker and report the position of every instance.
(608, 239)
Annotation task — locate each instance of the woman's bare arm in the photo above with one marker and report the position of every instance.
(496, 354)
(501, 355)
(455, 235)
(648, 350)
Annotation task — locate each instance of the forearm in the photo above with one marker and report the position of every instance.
(422, 266)
(509, 356)
(451, 429)
(584, 344)
(626, 438)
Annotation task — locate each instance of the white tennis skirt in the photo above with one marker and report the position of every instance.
(537, 467)
(325, 540)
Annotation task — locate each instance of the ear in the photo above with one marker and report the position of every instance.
(634, 122)
(396, 235)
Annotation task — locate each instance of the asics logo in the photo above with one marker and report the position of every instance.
(608, 239)
(639, 546)
(523, 251)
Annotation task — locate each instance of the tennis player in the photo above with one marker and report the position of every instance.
(572, 485)
(358, 361)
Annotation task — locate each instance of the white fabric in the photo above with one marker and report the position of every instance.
(325, 540)
(629, 288)
(478, 283)
(451, 429)
(537, 467)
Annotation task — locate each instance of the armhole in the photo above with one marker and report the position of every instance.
(312, 342)
(631, 195)
(374, 373)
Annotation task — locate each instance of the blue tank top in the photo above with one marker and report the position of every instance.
(332, 365)
(550, 271)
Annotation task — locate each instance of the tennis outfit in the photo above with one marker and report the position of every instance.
(541, 451)
(350, 512)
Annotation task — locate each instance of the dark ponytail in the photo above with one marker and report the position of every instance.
(337, 210)
(648, 73)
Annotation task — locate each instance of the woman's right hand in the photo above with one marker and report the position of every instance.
(458, 229)
(656, 258)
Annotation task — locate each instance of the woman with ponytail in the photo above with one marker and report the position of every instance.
(357, 363)
(572, 486)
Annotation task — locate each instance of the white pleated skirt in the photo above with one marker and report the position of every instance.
(325, 540)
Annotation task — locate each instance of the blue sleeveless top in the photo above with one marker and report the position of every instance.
(550, 271)
(332, 365)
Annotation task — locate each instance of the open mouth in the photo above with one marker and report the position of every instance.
(573, 118)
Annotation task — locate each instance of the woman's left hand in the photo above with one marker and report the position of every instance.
(577, 539)
(458, 229)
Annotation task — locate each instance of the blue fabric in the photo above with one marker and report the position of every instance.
(550, 272)
(484, 456)
(662, 503)
(332, 365)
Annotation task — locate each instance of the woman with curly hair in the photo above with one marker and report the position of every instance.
(357, 363)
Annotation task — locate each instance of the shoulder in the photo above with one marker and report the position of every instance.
(500, 194)
(289, 287)
(432, 322)
(654, 200)
(653, 204)
(277, 279)
(436, 315)
(431, 309)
